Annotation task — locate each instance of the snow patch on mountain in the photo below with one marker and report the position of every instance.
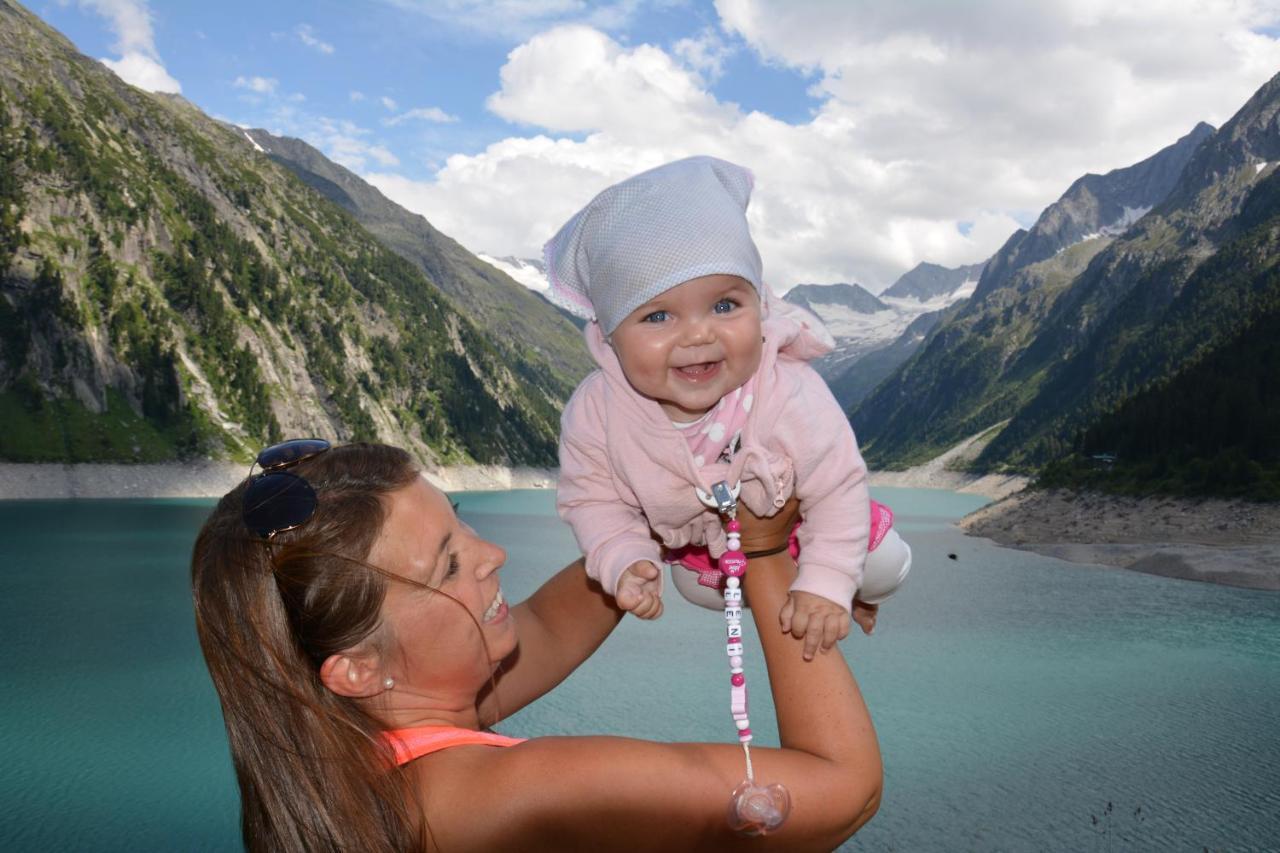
(1121, 225)
(858, 333)
(532, 274)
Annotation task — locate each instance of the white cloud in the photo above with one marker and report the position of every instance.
(259, 85)
(356, 96)
(704, 53)
(389, 103)
(308, 37)
(431, 114)
(139, 63)
(342, 140)
(931, 115)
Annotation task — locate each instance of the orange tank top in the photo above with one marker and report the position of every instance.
(424, 740)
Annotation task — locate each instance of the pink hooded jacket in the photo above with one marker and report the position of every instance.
(626, 471)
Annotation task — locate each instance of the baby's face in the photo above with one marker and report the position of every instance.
(692, 345)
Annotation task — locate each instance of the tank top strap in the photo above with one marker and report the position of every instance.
(423, 740)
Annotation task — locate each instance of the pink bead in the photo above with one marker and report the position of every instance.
(733, 563)
(745, 734)
(738, 679)
(734, 526)
(735, 661)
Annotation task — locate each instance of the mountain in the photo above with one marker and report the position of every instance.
(928, 281)
(168, 291)
(1182, 283)
(1208, 430)
(971, 372)
(861, 376)
(851, 296)
(862, 323)
(493, 294)
(1095, 206)
(529, 272)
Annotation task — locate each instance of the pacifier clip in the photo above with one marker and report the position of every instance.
(753, 809)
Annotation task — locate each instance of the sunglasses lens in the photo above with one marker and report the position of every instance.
(276, 502)
(290, 452)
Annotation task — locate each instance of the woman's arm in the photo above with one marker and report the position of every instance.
(613, 793)
(559, 626)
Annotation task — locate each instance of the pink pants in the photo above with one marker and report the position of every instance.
(698, 559)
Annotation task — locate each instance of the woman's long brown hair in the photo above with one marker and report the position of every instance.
(313, 771)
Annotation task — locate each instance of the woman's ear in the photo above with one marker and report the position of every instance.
(352, 674)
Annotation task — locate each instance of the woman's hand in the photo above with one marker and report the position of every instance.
(766, 534)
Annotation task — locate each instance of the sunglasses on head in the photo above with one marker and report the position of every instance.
(277, 500)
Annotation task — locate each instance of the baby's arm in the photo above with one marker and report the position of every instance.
(831, 483)
(613, 534)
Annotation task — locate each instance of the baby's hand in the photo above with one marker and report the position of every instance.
(865, 615)
(639, 590)
(819, 621)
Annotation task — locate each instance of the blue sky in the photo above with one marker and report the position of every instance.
(343, 59)
(882, 134)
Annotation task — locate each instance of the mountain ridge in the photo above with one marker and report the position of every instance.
(167, 292)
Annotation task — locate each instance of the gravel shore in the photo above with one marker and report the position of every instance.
(212, 480)
(1217, 541)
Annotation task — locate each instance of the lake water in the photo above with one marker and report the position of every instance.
(1015, 696)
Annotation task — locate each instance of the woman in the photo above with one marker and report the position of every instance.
(338, 598)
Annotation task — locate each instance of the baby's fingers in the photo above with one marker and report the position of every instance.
(834, 628)
(784, 617)
(646, 570)
(650, 607)
(812, 640)
(801, 622)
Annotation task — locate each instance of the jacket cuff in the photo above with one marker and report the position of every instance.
(832, 584)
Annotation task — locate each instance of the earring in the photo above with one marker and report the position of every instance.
(388, 682)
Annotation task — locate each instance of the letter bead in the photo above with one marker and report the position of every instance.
(734, 648)
(735, 632)
(732, 593)
(732, 612)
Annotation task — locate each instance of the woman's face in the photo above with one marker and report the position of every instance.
(435, 643)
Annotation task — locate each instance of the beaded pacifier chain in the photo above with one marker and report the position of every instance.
(753, 809)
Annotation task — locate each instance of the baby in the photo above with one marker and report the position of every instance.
(703, 377)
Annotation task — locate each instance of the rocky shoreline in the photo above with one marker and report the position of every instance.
(213, 479)
(1235, 543)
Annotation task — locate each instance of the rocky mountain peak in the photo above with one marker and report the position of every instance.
(855, 297)
(928, 281)
(1095, 206)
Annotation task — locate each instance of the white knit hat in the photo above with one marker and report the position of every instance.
(642, 237)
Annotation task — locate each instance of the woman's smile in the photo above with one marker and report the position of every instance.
(497, 610)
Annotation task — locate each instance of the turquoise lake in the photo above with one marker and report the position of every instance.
(1015, 696)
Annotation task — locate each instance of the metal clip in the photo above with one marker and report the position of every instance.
(722, 499)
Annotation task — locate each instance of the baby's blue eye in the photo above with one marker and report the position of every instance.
(724, 306)
(655, 317)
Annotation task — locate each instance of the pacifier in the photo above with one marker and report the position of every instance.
(758, 809)
(753, 809)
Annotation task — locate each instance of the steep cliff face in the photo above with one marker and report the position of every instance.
(972, 372)
(168, 291)
(501, 306)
